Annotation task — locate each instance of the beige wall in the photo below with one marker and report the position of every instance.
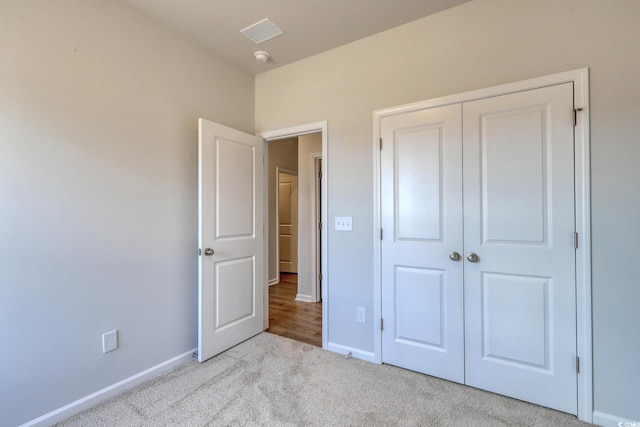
(283, 153)
(476, 45)
(307, 145)
(98, 194)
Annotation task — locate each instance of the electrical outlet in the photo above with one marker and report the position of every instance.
(109, 341)
(344, 223)
(362, 315)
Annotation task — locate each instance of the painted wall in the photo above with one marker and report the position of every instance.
(480, 44)
(98, 194)
(307, 145)
(283, 153)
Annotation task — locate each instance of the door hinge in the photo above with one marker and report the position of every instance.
(380, 144)
(575, 240)
(320, 276)
(577, 365)
(575, 115)
(381, 234)
(199, 252)
(320, 174)
(381, 324)
(319, 226)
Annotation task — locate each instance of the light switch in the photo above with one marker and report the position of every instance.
(344, 223)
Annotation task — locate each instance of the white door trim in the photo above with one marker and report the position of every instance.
(580, 80)
(315, 251)
(289, 133)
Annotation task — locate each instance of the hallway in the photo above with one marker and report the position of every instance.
(301, 321)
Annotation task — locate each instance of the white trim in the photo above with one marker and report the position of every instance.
(356, 353)
(287, 133)
(304, 298)
(580, 80)
(583, 253)
(608, 420)
(272, 282)
(93, 399)
(313, 182)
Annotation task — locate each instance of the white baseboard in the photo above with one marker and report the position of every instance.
(304, 298)
(273, 281)
(355, 352)
(93, 399)
(607, 420)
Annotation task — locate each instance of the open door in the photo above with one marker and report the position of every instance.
(230, 219)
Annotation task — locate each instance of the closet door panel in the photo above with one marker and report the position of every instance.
(520, 313)
(422, 304)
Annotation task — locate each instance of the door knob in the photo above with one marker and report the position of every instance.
(208, 252)
(454, 256)
(473, 257)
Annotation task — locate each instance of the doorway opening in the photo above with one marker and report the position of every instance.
(295, 301)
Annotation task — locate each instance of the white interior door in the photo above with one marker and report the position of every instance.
(230, 291)
(422, 295)
(288, 222)
(520, 303)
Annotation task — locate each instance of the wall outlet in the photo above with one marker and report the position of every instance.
(362, 315)
(109, 341)
(344, 223)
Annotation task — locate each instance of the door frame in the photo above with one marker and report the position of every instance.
(290, 172)
(291, 132)
(582, 175)
(316, 236)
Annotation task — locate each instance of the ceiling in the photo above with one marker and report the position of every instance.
(310, 26)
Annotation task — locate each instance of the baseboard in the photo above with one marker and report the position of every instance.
(93, 399)
(273, 281)
(607, 420)
(304, 298)
(355, 352)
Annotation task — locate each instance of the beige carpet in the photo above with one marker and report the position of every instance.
(273, 381)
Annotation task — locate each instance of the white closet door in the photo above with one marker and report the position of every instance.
(422, 305)
(520, 312)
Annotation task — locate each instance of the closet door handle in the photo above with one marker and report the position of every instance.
(454, 256)
(473, 257)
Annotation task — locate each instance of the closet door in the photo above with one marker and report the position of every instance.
(421, 197)
(520, 306)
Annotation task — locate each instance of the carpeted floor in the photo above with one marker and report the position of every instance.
(273, 381)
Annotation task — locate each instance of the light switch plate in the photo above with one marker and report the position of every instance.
(344, 223)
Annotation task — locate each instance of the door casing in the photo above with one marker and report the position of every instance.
(580, 80)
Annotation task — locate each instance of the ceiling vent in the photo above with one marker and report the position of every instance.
(262, 31)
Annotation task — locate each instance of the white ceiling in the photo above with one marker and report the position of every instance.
(311, 26)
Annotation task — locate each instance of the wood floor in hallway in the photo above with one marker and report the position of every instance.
(301, 321)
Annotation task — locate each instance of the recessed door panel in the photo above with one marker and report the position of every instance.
(235, 299)
(522, 216)
(419, 307)
(516, 319)
(234, 189)
(418, 183)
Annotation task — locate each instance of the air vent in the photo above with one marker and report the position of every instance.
(262, 31)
